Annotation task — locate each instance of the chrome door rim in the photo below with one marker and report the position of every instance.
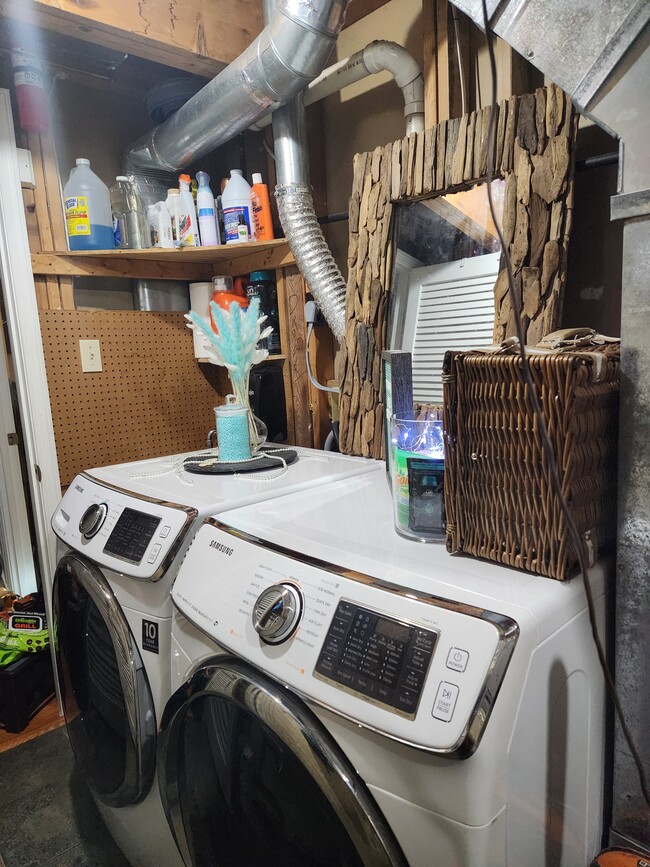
(140, 711)
(302, 733)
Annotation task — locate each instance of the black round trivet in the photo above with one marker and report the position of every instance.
(190, 465)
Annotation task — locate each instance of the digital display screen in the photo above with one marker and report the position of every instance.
(391, 629)
(131, 535)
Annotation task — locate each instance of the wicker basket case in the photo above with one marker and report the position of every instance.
(499, 500)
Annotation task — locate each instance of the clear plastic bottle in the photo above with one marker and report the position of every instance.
(130, 222)
(206, 207)
(236, 202)
(87, 203)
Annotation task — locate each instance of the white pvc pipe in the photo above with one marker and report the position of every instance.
(378, 56)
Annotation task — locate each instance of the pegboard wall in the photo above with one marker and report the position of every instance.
(151, 398)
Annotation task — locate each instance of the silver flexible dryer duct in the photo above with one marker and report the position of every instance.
(298, 218)
(291, 51)
(293, 191)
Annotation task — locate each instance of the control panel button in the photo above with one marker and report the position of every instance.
(424, 640)
(445, 702)
(457, 659)
(407, 700)
(166, 530)
(154, 553)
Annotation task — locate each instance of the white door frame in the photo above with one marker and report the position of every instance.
(15, 540)
(27, 350)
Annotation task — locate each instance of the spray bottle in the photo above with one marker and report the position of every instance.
(207, 219)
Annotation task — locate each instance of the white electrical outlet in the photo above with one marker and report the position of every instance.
(91, 357)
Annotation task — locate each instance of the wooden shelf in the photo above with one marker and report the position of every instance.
(189, 263)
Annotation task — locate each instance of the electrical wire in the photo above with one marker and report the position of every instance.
(461, 74)
(312, 379)
(543, 430)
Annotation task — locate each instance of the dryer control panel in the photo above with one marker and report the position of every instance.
(412, 665)
(124, 533)
(377, 656)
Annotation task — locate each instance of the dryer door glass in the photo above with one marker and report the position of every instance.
(249, 775)
(108, 706)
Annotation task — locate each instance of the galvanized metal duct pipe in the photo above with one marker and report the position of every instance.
(298, 218)
(291, 50)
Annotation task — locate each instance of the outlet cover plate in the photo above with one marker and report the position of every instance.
(91, 357)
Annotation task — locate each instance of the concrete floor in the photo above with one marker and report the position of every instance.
(47, 816)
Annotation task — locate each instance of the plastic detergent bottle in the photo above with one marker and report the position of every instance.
(160, 224)
(262, 219)
(236, 202)
(188, 226)
(207, 217)
(88, 218)
(173, 203)
(130, 224)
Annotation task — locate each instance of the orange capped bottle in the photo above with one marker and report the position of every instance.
(262, 218)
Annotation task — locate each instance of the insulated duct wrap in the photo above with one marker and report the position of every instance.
(312, 255)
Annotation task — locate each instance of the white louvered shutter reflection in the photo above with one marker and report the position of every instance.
(451, 306)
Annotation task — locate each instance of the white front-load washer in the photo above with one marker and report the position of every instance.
(123, 531)
(345, 696)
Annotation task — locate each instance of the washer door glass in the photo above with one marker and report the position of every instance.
(109, 710)
(249, 775)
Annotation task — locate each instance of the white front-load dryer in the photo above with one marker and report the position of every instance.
(343, 690)
(123, 532)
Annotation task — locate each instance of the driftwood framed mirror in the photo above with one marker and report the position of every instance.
(418, 215)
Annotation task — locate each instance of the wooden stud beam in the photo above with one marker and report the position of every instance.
(200, 37)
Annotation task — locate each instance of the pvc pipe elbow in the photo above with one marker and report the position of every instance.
(383, 55)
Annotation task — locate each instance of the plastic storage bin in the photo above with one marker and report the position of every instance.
(24, 686)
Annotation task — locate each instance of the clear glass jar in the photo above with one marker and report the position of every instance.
(417, 468)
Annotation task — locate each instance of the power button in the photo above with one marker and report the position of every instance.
(457, 659)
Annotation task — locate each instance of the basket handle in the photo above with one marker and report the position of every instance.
(575, 338)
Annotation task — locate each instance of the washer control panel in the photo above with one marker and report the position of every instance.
(415, 666)
(379, 657)
(121, 532)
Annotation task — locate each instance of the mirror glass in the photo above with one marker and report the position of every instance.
(445, 265)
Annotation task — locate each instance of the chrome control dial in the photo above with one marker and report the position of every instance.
(277, 612)
(92, 520)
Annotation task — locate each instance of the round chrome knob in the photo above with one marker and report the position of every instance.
(277, 612)
(92, 520)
